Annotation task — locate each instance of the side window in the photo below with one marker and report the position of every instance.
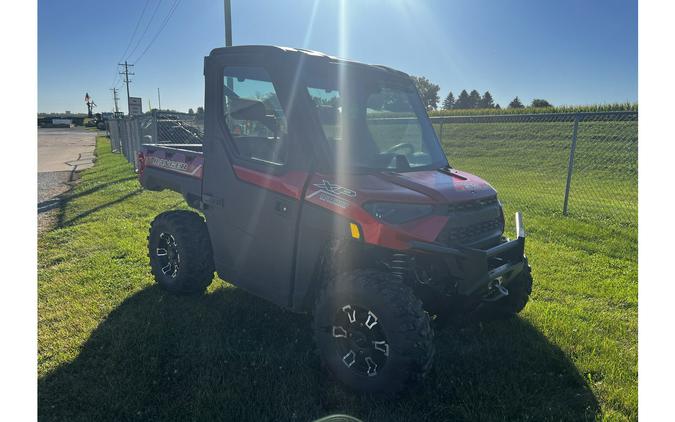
(327, 103)
(254, 116)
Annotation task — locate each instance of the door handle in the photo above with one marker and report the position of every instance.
(211, 200)
(281, 207)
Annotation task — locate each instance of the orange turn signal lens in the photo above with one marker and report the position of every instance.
(356, 233)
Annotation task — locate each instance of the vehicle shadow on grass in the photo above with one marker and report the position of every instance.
(230, 356)
(62, 199)
(62, 222)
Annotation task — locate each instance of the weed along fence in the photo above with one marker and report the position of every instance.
(583, 165)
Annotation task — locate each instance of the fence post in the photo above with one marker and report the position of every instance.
(127, 138)
(570, 163)
(155, 130)
(441, 132)
(134, 140)
(118, 142)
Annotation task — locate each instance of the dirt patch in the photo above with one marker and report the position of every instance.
(51, 187)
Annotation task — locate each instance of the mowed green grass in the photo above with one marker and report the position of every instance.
(113, 346)
(527, 163)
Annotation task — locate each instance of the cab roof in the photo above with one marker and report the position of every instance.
(294, 52)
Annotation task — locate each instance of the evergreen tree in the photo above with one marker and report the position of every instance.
(463, 100)
(516, 103)
(487, 101)
(449, 101)
(474, 99)
(498, 107)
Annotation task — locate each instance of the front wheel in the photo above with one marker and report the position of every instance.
(372, 332)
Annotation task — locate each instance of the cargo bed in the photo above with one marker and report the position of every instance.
(177, 167)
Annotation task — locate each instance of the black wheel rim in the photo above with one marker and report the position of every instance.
(167, 255)
(360, 340)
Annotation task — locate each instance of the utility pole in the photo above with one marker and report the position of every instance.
(228, 24)
(126, 80)
(115, 98)
(159, 100)
(228, 33)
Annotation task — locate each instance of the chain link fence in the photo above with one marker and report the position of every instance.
(579, 164)
(159, 127)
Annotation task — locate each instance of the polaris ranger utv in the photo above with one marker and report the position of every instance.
(325, 190)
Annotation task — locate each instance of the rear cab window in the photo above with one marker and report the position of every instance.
(254, 116)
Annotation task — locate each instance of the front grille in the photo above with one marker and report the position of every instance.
(472, 205)
(472, 222)
(473, 232)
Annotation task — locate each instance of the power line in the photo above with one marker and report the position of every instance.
(115, 82)
(140, 18)
(175, 5)
(133, 35)
(145, 31)
(112, 84)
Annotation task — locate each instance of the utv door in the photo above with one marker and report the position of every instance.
(253, 180)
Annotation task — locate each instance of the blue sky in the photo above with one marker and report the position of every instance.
(568, 52)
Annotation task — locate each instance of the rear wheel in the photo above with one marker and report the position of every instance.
(372, 332)
(180, 253)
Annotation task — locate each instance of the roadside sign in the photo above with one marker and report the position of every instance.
(135, 106)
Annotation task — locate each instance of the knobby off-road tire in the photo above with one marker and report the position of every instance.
(367, 306)
(180, 252)
(519, 294)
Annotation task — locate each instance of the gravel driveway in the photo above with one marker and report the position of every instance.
(61, 154)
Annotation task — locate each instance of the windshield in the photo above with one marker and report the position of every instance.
(373, 121)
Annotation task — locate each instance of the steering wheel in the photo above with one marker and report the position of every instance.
(402, 145)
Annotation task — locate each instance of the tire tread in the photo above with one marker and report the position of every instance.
(197, 268)
(415, 326)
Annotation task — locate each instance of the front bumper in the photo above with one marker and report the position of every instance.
(484, 272)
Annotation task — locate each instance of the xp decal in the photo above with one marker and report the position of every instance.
(329, 192)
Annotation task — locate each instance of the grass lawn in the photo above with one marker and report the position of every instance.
(113, 346)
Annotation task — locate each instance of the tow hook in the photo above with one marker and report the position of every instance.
(496, 291)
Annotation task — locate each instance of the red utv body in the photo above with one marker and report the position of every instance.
(325, 189)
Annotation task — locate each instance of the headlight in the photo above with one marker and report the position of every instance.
(395, 213)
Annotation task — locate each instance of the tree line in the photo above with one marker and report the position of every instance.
(466, 100)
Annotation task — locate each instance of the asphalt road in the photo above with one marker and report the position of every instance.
(61, 154)
(64, 149)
